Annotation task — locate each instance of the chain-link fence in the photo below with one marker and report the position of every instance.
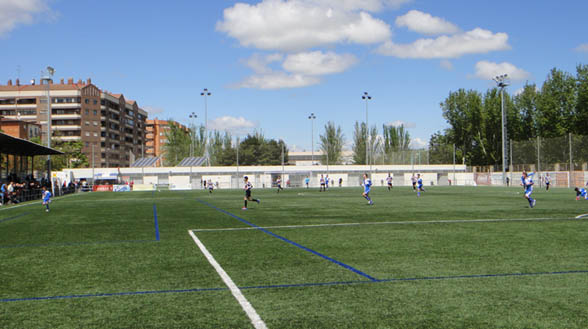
(562, 160)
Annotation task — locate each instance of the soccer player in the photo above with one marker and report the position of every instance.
(279, 184)
(523, 179)
(389, 181)
(528, 185)
(581, 192)
(547, 181)
(322, 180)
(367, 184)
(306, 181)
(46, 198)
(248, 186)
(210, 186)
(327, 182)
(413, 179)
(420, 187)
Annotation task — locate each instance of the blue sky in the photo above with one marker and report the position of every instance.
(270, 63)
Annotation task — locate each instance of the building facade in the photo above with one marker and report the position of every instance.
(19, 128)
(111, 129)
(156, 136)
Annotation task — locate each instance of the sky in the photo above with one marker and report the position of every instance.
(270, 63)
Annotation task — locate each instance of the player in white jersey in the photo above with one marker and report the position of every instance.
(210, 186)
(323, 186)
(413, 179)
(367, 184)
(420, 187)
(547, 181)
(528, 185)
(247, 188)
(389, 180)
(279, 183)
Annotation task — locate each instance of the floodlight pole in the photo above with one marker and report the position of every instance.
(312, 117)
(206, 93)
(47, 78)
(501, 82)
(367, 97)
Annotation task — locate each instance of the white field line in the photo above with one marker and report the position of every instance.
(387, 223)
(37, 202)
(251, 313)
(581, 216)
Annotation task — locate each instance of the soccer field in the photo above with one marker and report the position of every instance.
(457, 257)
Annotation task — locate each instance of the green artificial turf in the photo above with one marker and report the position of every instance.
(456, 257)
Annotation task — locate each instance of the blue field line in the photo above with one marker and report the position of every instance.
(156, 223)
(292, 242)
(70, 244)
(14, 217)
(294, 285)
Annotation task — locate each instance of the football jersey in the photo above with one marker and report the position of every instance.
(389, 179)
(367, 183)
(248, 186)
(528, 182)
(46, 196)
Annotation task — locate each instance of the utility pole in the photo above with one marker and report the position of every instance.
(501, 82)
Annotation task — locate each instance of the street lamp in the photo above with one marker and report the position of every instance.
(193, 117)
(367, 97)
(312, 117)
(47, 78)
(206, 93)
(502, 82)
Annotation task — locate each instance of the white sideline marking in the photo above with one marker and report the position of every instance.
(251, 313)
(581, 216)
(32, 202)
(387, 223)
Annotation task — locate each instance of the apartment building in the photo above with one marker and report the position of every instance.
(111, 128)
(20, 129)
(156, 137)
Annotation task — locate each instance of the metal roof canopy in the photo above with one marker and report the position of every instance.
(192, 162)
(16, 146)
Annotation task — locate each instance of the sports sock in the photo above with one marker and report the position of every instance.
(245, 203)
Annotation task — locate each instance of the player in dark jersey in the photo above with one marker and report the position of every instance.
(247, 189)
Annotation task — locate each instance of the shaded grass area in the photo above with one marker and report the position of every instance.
(253, 258)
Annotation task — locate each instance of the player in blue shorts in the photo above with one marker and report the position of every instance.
(248, 186)
(547, 182)
(327, 182)
(528, 185)
(420, 187)
(367, 184)
(46, 198)
(581, 193)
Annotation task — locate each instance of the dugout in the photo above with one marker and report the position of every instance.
(17, 158)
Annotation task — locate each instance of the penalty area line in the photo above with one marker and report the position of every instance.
(462, 221)
(247, 307)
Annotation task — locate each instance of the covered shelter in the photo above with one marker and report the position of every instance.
(17, 157)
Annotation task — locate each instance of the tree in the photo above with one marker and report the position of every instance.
(394, 140)
(440, 149)
(556, 104)
(580, 124)
(332, 143)
(177, 145)
(359, 138)
(256, 150)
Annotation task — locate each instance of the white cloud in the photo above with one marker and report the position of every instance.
(488, 70)
(15, 12)
(300, 70)
(153, 110)
(367, 5)
(477, 41)
(424, 23)
(446, 64)
(236, 126)
(295, 25)
(399, 123)
(583, 48)
(318, 63)
(418, 143)
(278, 80)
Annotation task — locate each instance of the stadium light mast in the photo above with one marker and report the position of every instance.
(193, 117)
(367, 97)
(311, 117)
(47, 78)
(206, 93)
(502, 82)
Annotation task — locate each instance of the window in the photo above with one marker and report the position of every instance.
(87, 123)
(95, 102)
(87, 101)
(95, 123)
(95, 112)
(95, 134)
(87, 134)
(87, 112)
(87, 144)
